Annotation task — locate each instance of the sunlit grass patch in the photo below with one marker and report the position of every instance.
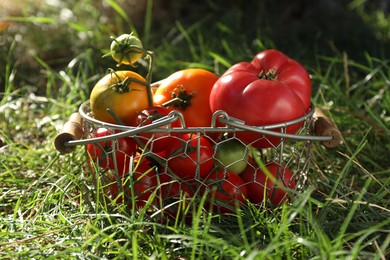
(51, 206)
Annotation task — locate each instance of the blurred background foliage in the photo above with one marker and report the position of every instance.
(39, 34)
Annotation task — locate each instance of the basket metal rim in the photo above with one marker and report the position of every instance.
(177, 115)
(163, 125)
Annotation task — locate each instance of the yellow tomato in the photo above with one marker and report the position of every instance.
(124, 93)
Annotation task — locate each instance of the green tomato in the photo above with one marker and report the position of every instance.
(232, 155)
(126, 49)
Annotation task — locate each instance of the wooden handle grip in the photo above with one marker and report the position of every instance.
(323, 126)
(72, 130)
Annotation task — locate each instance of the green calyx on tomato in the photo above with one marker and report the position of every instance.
(123, 85)
(126, 49)
(269, 75)
(181, 98)
(232, 155)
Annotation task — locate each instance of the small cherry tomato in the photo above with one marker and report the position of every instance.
(257, 180)
(173, 199)
(190, 157)
(137, 186)
(226, 191)
(103, 153)
(156, 142)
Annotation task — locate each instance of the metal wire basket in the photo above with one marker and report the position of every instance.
(292, 151)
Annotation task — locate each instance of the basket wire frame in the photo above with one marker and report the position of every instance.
(293, 151)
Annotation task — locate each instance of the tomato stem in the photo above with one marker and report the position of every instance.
(128, 46)
(116, 118)
(150, 56)
(269, 75)
(122, 86)
(181, 98)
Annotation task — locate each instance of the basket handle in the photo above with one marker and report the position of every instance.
(324, 126)
(72, 130)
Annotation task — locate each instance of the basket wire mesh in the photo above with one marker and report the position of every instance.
(291, 152)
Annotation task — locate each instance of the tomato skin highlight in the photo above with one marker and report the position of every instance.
(124, 100)
(257, 181)
(271, 89)
(197, 84)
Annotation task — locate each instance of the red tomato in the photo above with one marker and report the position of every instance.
(226, 191)
(137, 186)
(156, 142)
(256, 180)
(271, 89)
(173, 198)
(191, 90)
(190, 157)
(102, 153)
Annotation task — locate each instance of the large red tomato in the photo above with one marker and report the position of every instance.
(190, 157)
(226, 191)
(188, 91)
(271, 89)
(256, 181)
(103, 153)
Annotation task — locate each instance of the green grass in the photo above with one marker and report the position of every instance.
(51, 209)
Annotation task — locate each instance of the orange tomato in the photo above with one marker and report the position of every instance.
(188, 91)
(123, 93)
